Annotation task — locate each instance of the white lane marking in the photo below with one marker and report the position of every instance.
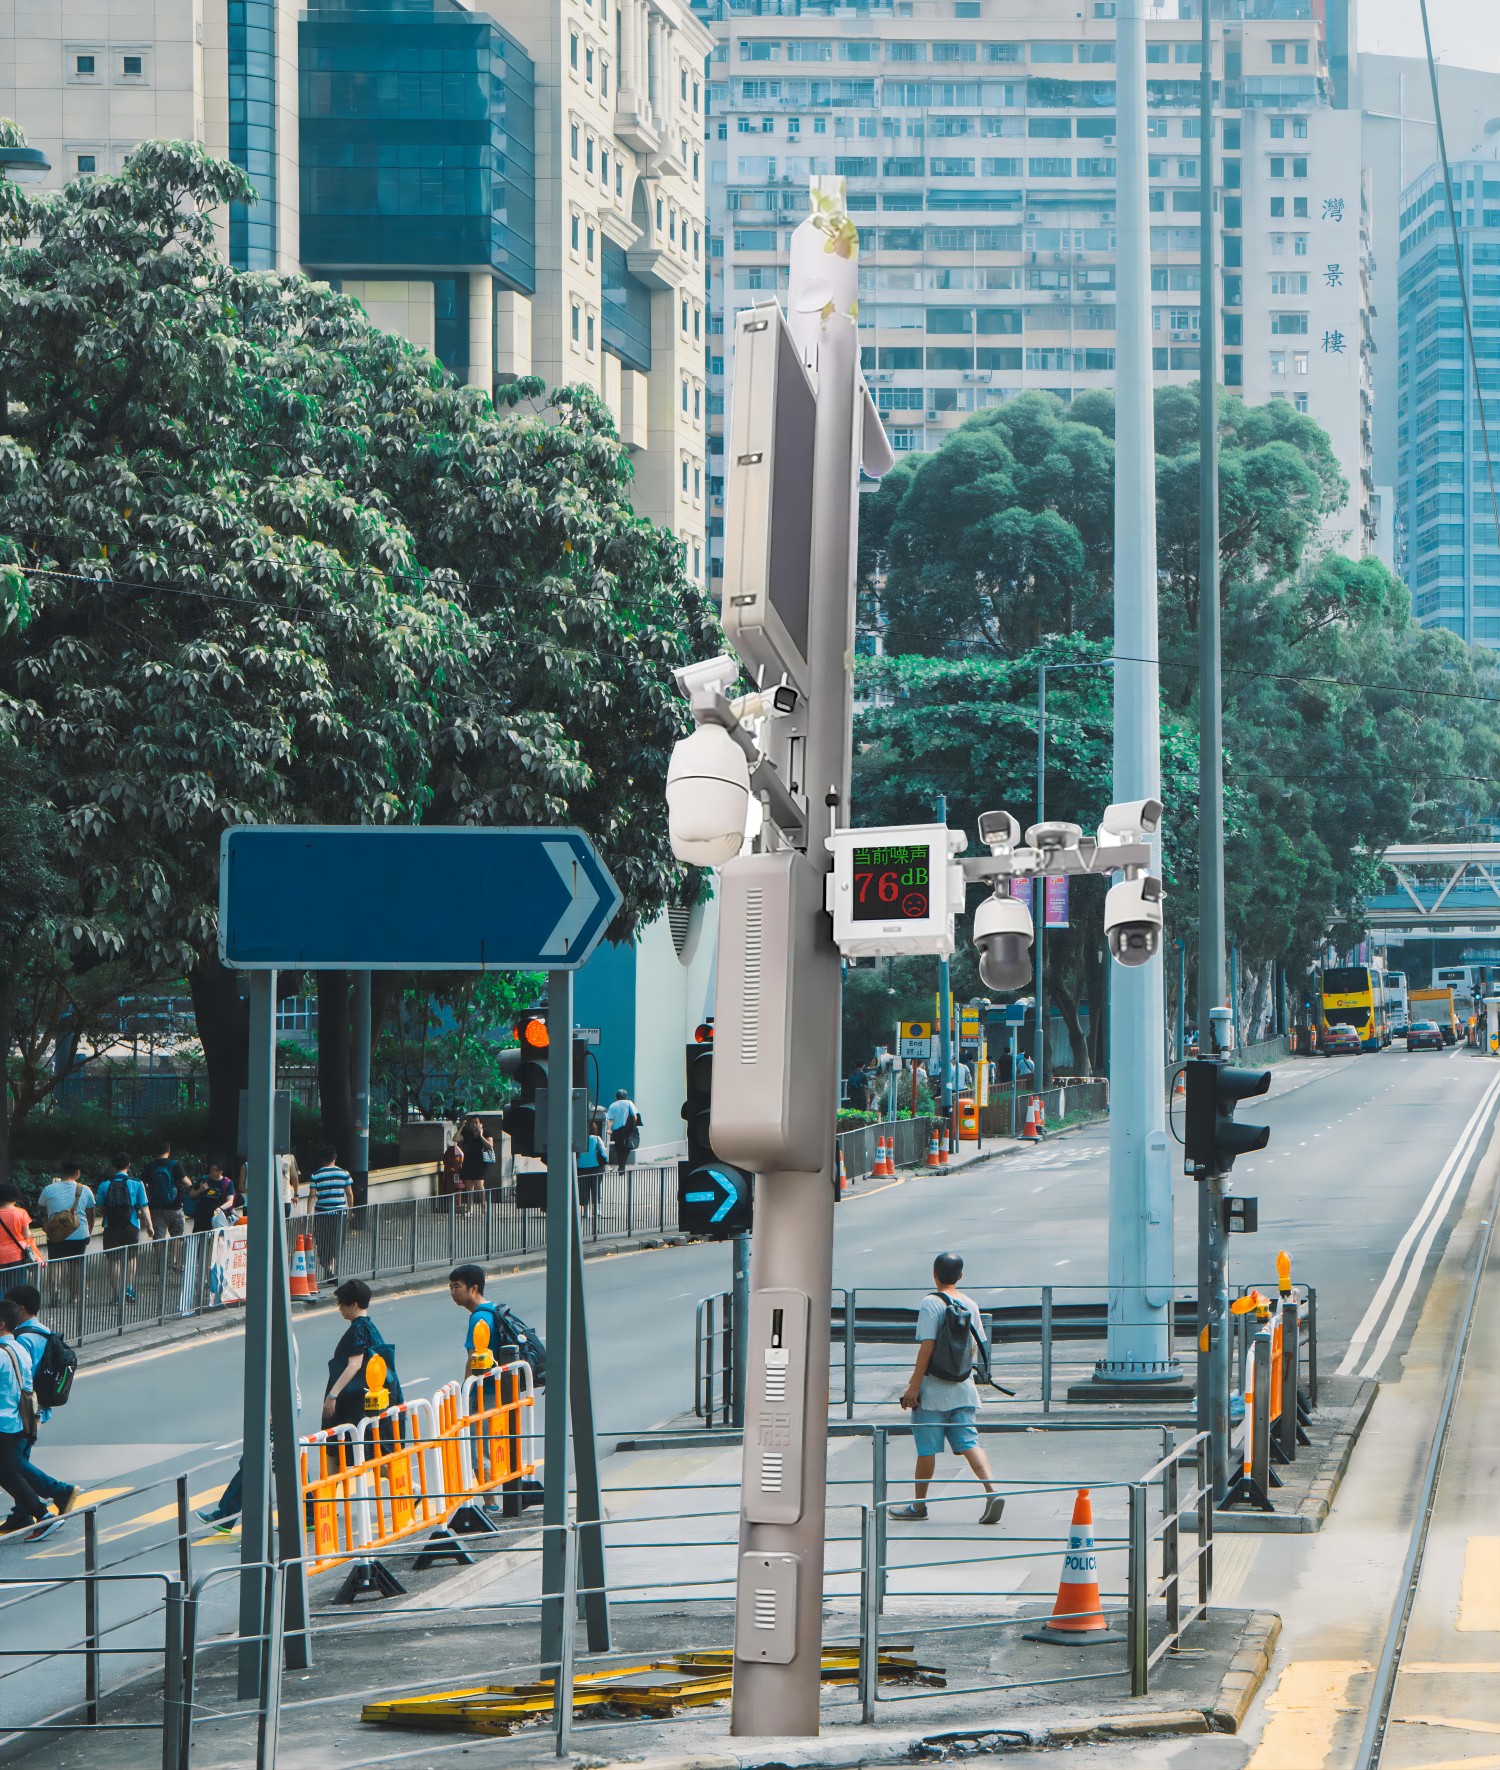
(1393, 1271)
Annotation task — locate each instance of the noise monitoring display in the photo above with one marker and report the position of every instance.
(892, 882)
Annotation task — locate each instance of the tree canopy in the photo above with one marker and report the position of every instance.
(260, 561)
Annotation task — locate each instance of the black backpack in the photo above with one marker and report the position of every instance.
(52, 1375)
(117, 1206)
(510, 1330)
(161, 1186)
(955, 1345)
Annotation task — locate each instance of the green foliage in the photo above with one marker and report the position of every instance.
(444, 1040)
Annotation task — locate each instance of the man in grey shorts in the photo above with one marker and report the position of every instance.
(945, 1410)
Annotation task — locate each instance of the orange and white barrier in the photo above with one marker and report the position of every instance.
(1031, 1127)
(934, 1158)
(944, 1148)
(303, 1285)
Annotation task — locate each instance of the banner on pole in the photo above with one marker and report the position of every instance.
(1057, 901)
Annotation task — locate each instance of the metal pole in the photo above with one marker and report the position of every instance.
(945, 1005)
(1039, 893)
(1137, 1596)
(91, 1617)
(589, 1510)
(1181, 1001)
(1234, 1000)
(793, 1243)
(264, 1206)
(1138, 1349)
(360, 1173)
(1213, 1284)
(739, 1323)
(171, 1681)
(1014, 1081)
(562, 1206)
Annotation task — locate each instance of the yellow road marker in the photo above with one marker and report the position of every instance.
(141, 1521)
(96, 1496)
(1307, 1705)
(1479, 1595)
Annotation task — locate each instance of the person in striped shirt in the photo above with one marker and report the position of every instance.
(332, 1195)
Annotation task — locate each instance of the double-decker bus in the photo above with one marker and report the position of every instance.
(1397, 1009)
(1354, 996)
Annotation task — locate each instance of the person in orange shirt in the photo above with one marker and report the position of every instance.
(17, 1252)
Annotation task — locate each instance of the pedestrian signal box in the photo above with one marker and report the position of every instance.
(713, 1198)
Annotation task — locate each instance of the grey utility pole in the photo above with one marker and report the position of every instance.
(778, 968)
(1039, 889)
(1138, 1354)
(1213, 1286)
(945, 1007)
(360, 1163)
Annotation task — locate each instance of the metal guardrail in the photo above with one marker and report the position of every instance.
(1061, 1321)
(1005, 1113)
(104, 1294)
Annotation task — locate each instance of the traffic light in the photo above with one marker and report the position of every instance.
(1211, 1138)
(526, 1117)
(713, 1198)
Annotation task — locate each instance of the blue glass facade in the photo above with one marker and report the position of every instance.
(252, 130)
(627, 311)
(417, 140)
(1448, 547)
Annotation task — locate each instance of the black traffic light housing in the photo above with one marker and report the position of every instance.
(1211, 1138)
(525, 1119)
(713, 1198)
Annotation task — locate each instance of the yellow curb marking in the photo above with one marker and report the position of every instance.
(1310, 1697)
(1479, 1596)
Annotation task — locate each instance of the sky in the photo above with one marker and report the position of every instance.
(1466, 32)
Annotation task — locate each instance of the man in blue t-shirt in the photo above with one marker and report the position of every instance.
(125, 1208)
(332, 1192)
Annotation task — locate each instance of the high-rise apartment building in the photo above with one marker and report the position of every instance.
(977, 138)
(1447, 545)
(517, 187)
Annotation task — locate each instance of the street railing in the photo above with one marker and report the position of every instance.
(1005, 1113)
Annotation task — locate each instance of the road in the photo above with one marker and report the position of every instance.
(1357, 1146)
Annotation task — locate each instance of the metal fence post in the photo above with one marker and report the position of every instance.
(189, 1678)
(630, 1201)
(1136, 1610)
(1046, 1348)
(562, 1681)
(1170, 1563)
(413, 1235)
(268, 1726)
(453, 1229)
(375, 1242)
(1312, 1347)
(851, 1372)
(869, 1614)
(726, 1361)
(91, 1617)
(163, 1249)
(661, 1197)
(879, 1494)
(698, 1357)
(171, 1677)
(184, 1539)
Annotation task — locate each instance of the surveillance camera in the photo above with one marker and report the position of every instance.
(1129, 821)
(784, 698)
(1049, 837)
(1132, 919)
(1003, 934)
(708, 797)
(704, 677)
(997, 830)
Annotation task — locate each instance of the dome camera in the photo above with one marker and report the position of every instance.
(1132, 919)
(1003, 935)
(708, 797)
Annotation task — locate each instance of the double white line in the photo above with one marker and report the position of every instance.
(1411, 1253)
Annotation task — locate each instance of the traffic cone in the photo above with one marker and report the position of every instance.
(300, 1288)
(934, 1158)
(1028, 1128)
(943, 1149)
(311, 1257)
(843, 1174)
(884, 1167)
(1041, 1116)
(1076, 1619)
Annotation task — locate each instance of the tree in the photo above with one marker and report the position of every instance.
(262, 562)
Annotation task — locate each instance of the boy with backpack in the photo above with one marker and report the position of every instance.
(942, 1394)
(52, 1365)
(165, 1183)
(124, 1205)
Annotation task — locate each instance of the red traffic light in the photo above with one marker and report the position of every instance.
(531, 1031)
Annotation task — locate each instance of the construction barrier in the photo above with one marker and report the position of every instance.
(413, 1467)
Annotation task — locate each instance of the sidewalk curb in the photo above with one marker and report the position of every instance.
(1313, 1509)
(1247, 1672)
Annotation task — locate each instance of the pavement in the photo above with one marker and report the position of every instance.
(1353, 1184)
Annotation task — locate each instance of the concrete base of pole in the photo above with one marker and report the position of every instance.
(1099, 1391)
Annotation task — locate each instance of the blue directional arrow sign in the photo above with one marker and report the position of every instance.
(725, 1193)
(381, 898)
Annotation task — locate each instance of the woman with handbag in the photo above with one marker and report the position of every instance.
(479, 1168)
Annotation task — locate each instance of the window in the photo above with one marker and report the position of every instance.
(1289, 283)
(1285, 324)
(1299, 167)
(603, 78)
(1278, 365)
(87, 163)
(588, 154)
(684, 83)
(1278, 129)
(132, 66)
(697, 97)
(1156, 52)
(588, 66)
(591, 332)
(1050, 168)
(1299, 128)
(1278, 166)
(573, 140)
(684, 317)
(84, 66)
(697, 482)
(1299, 361)
(1278, 55)
(591, 245)
(575, 233)
(1299, 208)
(1054, 52)
(577, 321)
(1278, 208)
(1300, 57)
(684, 475)
(604, 167)
(1299, 400)
(684, 397)
(573, 50)
(697, 402)
(1299, 245)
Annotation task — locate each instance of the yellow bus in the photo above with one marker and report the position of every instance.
(1354, 997)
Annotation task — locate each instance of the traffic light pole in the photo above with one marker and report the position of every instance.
(945, 1006)
(1213, 1283)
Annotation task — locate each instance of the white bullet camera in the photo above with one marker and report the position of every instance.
(1003, 934)
(1132, 820)
(708, 797)
(1132, 919)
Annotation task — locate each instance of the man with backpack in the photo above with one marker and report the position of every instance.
(123, 1202)
(942, 1394)
(52, 1366)
(165, 1183)
(510, 1337)
(17, 1425)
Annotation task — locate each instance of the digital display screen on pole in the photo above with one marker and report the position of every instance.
(892, 882)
